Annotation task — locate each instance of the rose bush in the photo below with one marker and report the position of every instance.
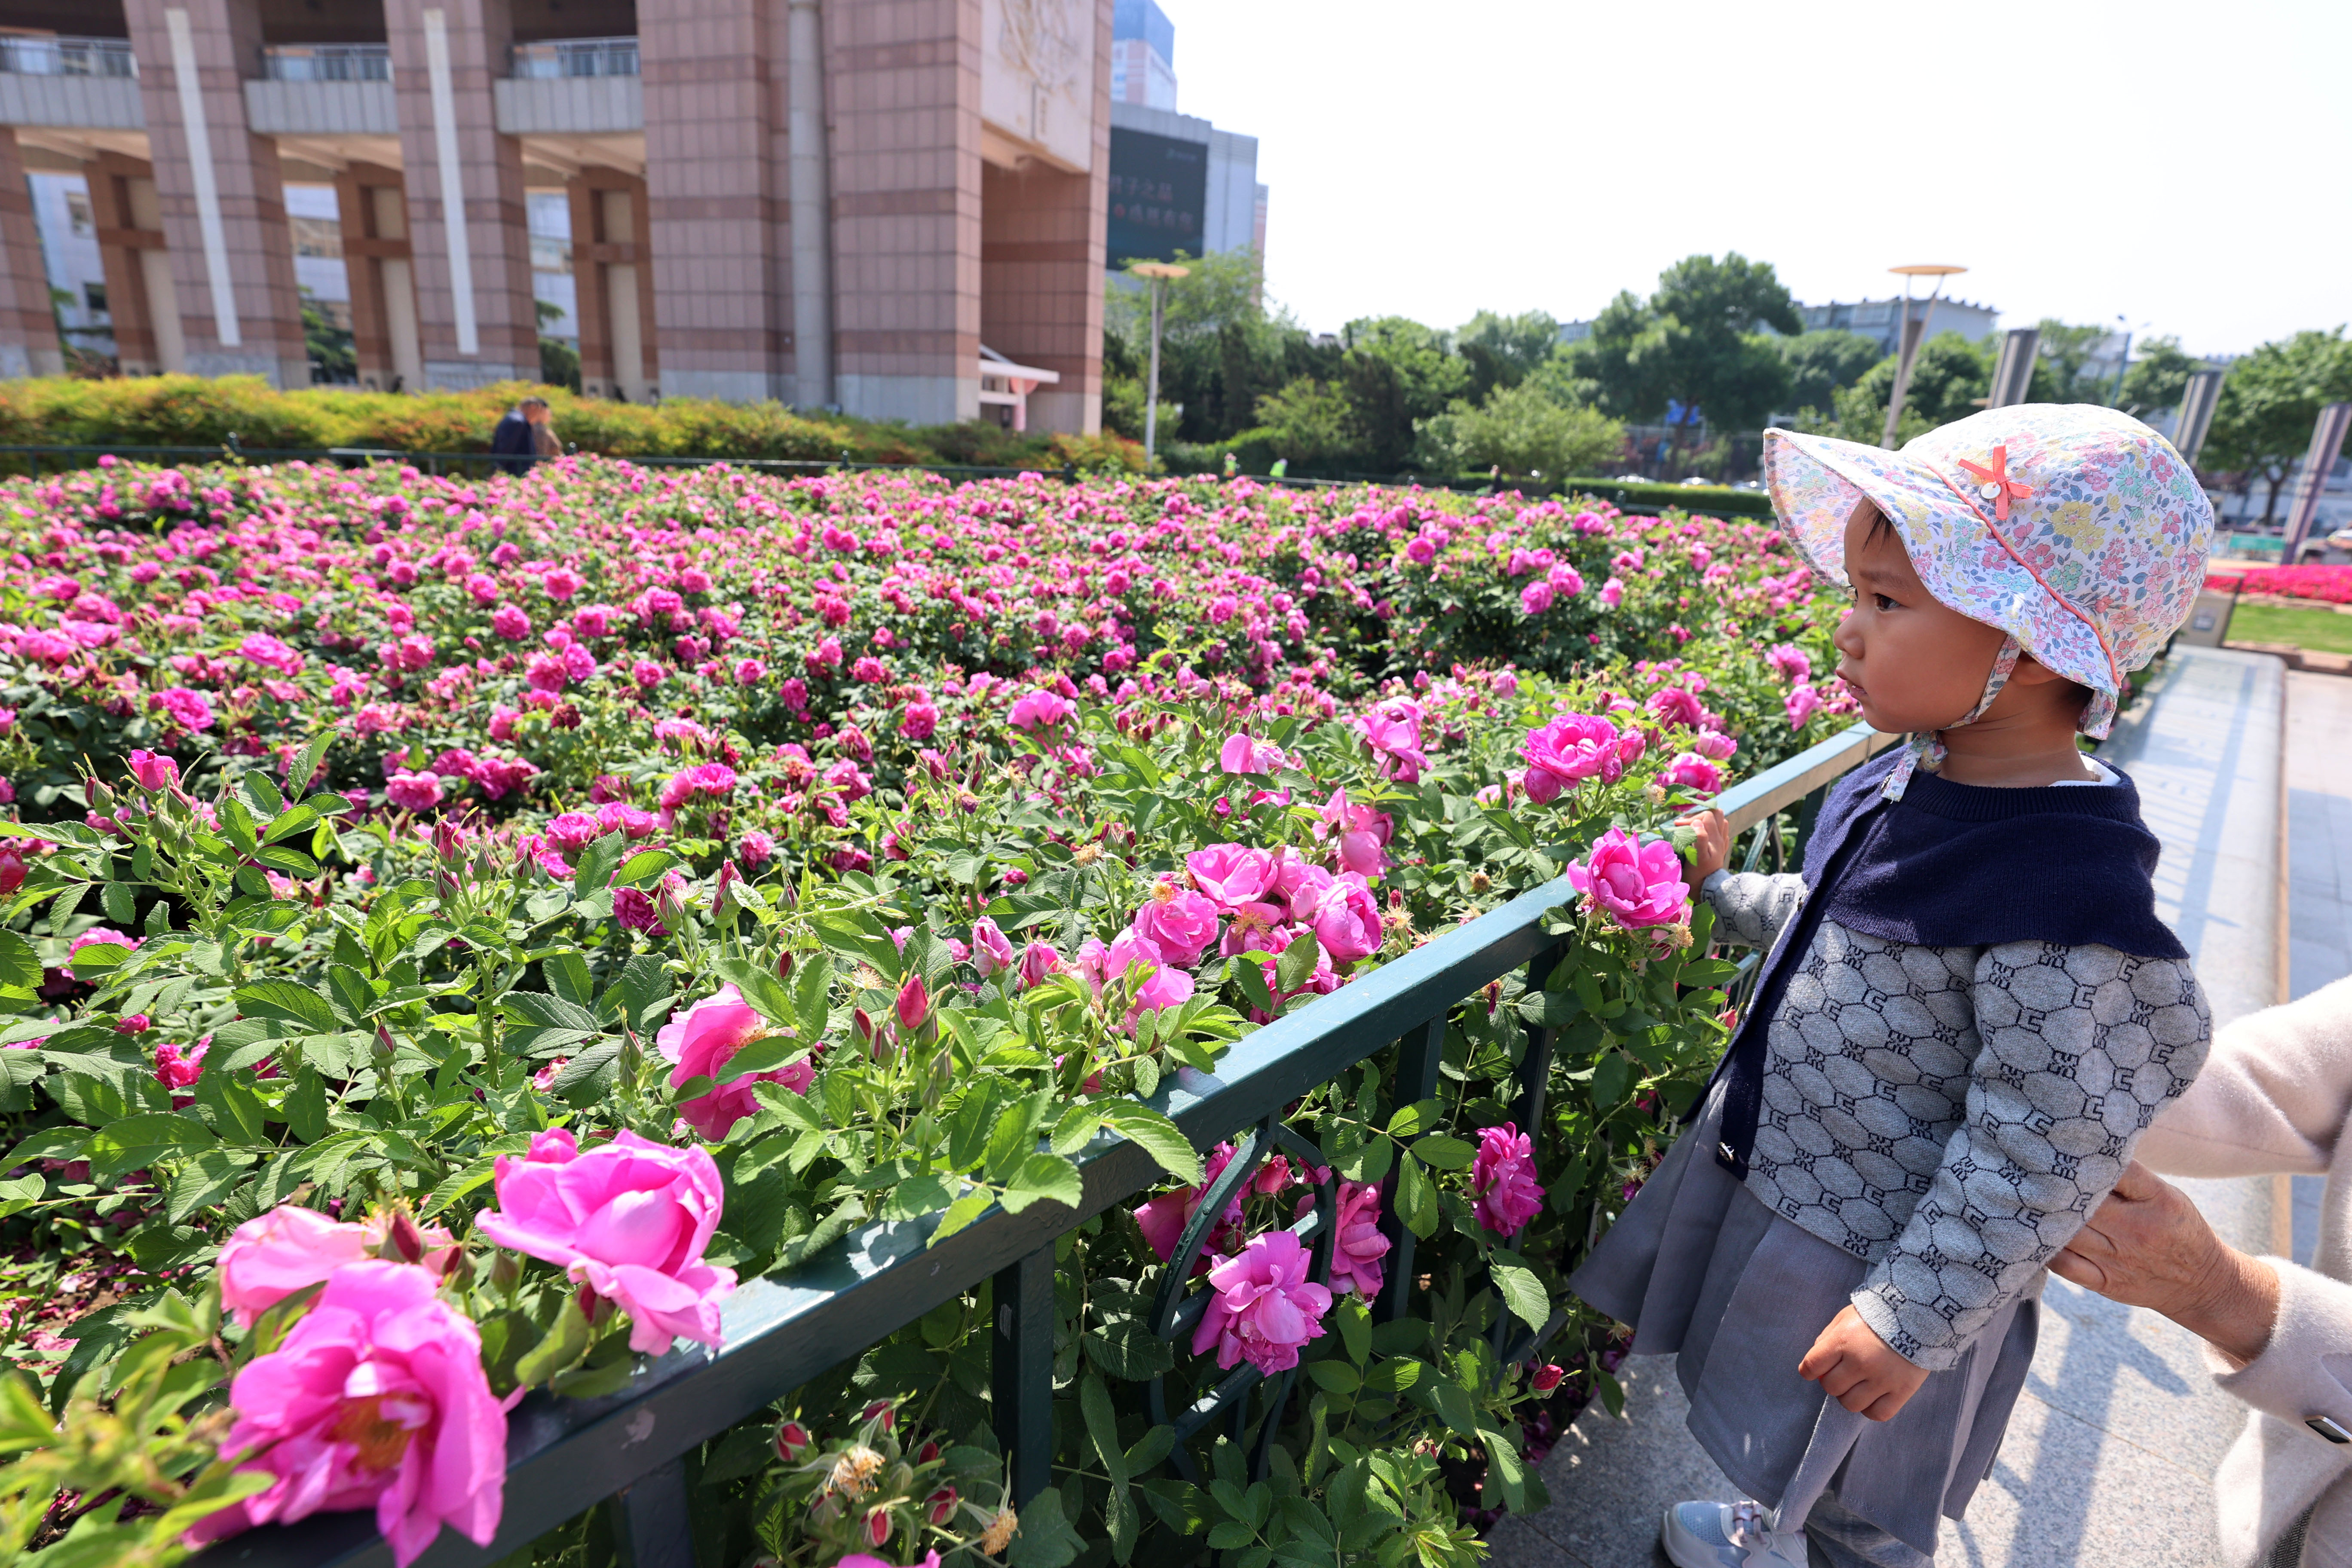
(842, 851)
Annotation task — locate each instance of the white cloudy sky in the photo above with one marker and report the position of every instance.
(2182, 165)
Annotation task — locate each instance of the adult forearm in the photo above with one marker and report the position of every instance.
(2234, 1307)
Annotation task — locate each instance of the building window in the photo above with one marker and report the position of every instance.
(93, 298)
(77, 213)
(316, 235)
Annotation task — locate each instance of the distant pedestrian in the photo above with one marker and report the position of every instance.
(524, 435)
(1970, 1010)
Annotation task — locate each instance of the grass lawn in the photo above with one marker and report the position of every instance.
(2323, 631)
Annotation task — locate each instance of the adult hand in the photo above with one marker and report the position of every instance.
(1712, 851)
(2147, 1247)
(1859, 1370)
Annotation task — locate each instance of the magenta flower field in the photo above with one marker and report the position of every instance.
(455, 933)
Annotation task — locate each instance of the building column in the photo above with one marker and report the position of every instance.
(902, 90)
(222, 196)
(714, 96)
(29, 344)
(140, 298)
(613, 279)
(372, 202)
(467, 226)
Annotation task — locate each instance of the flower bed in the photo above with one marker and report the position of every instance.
(2328, 584)
(458, 931)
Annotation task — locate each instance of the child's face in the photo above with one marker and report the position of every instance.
(1913, 662)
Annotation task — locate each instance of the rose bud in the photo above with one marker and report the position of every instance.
(784, 966)
(914, 1004)
(877, 1527)
(792, 1441)
(885, 1411)
(927, 1453)
(402, 1238)
(1547, 1377)
(942, 1504)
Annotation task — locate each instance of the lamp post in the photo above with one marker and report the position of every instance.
(1160, 274)
(1907, 344)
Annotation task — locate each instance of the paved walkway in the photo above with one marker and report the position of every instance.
(2111, 1452)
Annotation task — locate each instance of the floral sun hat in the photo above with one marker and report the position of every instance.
(2076, 530)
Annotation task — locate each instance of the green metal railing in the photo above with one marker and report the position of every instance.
(564, 1456)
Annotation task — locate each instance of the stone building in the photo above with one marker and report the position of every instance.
(873, 205)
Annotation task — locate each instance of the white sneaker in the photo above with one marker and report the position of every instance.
(1729, 1536)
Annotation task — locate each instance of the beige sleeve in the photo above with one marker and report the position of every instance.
(2274, 1096)
(2307, 1368)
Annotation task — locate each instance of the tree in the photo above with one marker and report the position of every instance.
(1397, 374)
(1520, 430)
(1309, 421)
(333, 356)
(2157, 379)
(1503, 350)
(1819, 364)
(2061, 372)
(1695, 343)
(1221, 350)
(2262, 421)
(1950, 379)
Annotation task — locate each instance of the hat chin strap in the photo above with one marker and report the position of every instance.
(1927, 746)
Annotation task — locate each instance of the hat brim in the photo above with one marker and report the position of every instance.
(1815, 483)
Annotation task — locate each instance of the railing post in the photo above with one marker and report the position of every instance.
(1021, 1371)
(1535, 1067)
(653, 1525)
(1418, 1055)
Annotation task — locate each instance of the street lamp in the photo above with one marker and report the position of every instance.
(1161, 274)
(1907, 347)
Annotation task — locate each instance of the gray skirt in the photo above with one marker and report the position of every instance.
(1702, 1271)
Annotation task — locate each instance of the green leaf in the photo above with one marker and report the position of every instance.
(237, 1112)
(1047, 1177)
(1102, 1427)
(24, 1424)
(1522, 1292)
(1394, 1375)
(558, 1350)
(1452, 1402)
(17, 1195)
(644, 867)
(759, 985)
(120, 901)
(136, 1143)
(49, 1143)
(1335, 1376)
(1355, 1330)
(306, 1105)
(1445, 1154)
(205, 1181)
(20, 965)
(455, 1185)
(961, 1213)
(1128, 1350)
(548, 1012)
(1612, 1077)
(1295, 967)
(353, 996)
(285, 999)
(1045, 1539)
(306, 763)
(1158, 1136)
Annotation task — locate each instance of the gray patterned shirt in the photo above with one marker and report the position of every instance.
(1952, 1115)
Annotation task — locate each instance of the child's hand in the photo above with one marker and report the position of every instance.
(1713, 850)
(1857, 1369)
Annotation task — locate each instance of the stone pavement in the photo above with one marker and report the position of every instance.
(2110, 1452)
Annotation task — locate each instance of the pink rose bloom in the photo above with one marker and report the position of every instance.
(1164, 986)
(699, 1040)
(1041, 708)
(562, 583)
(1248, 755)
(1564, 581)
(1232, 875)
(377, 1396)
(1363, 834)
(1801, 704)
(99, 936)
(572, 831)
(1256, 928)
(414, 791)
(1264, 1306)
(1038, 961)
(1691, 770)
(755, 848)
(153, 770)
(1358, 1247)
(1348, 923)
(1677, 706)
(1503, 1178)
(178, 1069)
(510, 622)
(1300, 885)
(1567, 750)
(1177, 921)
(1613, 592)
(1635, 884)
(1162, 1219)
(992, 950)
(270, 1257)
(1790, 662)
(629, 1219)
(1714, 745)
(1536, 598)
(1392, 730)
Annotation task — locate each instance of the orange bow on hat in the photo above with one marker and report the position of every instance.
(1998, 487)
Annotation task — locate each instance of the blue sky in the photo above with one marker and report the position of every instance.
(2182, 165)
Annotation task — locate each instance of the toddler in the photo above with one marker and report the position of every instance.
(1969, 1010)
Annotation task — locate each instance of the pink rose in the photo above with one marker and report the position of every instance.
(1613, 592)
(1363, 834)
(1714, 745)
(1247, 754)
(1547, 1377)
(991, 951)
(377, 1396)
(1800, 703)
(270, 1257)
(1232, 875)
(572, 831)
(1790, 662)
(1041, 709)
(629, 1219)
(1392, 732)
(414, 791)
(1177, 921)
(1359, 1246)
(1503, 1179)
(700, 1039)
(1676, 706)
(1635, 884)
(1691, 770)
(1348, 923)
(1038, 961)
(1567, 750)
(1162, 1219)
(1265, 1308)
(1536, 598)
(176, 1069)
(154, 771)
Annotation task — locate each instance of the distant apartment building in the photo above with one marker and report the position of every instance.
(871, 204)
(1142, 55)
(1881, 320)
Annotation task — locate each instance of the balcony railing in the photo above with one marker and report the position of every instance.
(327, 62)
(67, 56)
(574, 56)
